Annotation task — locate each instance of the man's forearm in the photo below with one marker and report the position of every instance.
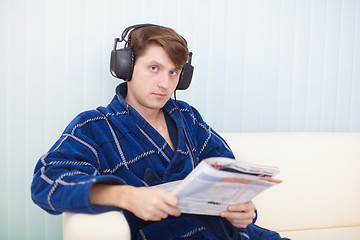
(110, 195)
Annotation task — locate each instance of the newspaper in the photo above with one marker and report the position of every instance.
(219, 182)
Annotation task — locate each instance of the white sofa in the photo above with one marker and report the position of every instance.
(318, 199)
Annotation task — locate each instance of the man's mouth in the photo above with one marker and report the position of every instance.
(160, 94)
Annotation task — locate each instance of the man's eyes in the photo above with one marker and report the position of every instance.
(153, 68)
(156, 69)
(173, 73)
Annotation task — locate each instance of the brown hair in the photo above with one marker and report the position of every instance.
(174, 45)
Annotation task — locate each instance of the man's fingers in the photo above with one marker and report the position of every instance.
(169, 206)
(174, 211)
(165, 205)
(169, 198)
(244, 207)
(170, 203)
(238, 215)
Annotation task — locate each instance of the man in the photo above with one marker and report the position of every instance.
(106, 158)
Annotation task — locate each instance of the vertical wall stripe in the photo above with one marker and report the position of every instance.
(259, 66)
(315, 65)
(355, 93)
(233, 78)
(270, 61)
(15, 138)
(286, 65)
(4, 25)
(345, 65)
(328, 108)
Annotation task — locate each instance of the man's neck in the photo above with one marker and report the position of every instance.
(154, 117)
(151, 115)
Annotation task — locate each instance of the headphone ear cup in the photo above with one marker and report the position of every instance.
(185, 77)
(122, 63)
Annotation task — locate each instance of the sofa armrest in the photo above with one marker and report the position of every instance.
(110, 225)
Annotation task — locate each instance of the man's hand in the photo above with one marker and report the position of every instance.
(146, 203)
(152, 204)
(240, 215)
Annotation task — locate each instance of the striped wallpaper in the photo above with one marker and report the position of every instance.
(260, 65)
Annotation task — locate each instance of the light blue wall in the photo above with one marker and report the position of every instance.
(260, 65)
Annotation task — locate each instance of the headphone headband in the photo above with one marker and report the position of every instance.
(126, 30)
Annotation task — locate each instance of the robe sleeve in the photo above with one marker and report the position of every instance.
(64, 176)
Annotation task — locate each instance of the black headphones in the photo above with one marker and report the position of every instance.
(122, 61)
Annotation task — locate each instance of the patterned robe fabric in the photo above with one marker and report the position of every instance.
(116, 145)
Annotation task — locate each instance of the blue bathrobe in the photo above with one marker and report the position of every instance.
(115, 145)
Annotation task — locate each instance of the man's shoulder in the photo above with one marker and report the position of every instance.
(97, 117)
(101, 112)
(83, 119)
(189, 112)
(181, 104)
(188, 108)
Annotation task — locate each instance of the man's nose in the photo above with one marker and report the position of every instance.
(164, 80)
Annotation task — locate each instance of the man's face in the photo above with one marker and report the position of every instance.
(154, 80)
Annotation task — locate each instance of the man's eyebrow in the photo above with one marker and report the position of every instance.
(154, 62)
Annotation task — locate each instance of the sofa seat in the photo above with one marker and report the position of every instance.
(335, 233)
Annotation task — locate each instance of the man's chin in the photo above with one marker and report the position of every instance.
(155, 105)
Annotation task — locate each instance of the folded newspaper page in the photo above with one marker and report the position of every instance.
(219, 182)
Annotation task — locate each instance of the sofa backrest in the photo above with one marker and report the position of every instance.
(320, 173)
